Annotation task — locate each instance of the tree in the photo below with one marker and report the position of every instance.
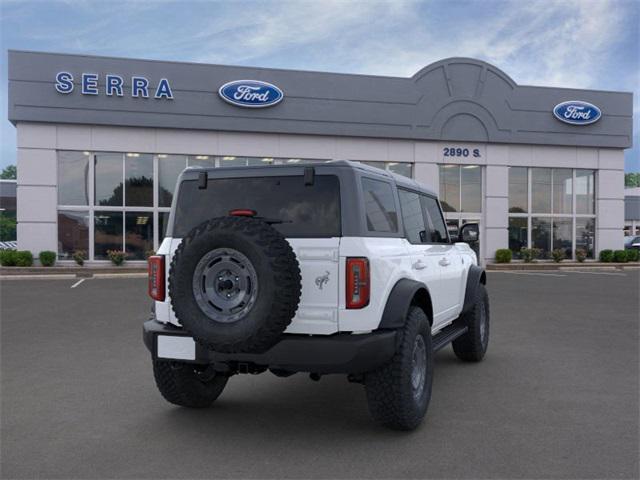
(632, 180)
(9, 173)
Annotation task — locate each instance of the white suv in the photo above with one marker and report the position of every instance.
(323, 268)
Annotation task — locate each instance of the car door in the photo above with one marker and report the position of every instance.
(447, 259)
(424, 265)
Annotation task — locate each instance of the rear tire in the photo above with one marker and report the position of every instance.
(184, 385)
(398, 393)
(472, 346)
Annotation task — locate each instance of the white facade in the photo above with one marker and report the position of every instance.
(38, 144)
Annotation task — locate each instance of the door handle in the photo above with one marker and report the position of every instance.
(444, 262)
(419, 265)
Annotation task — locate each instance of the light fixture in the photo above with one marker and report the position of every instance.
(470, 166)
(392, 164)
(162, 155)
(133, 154)
(202, 157)
(142, 220)
(228, 158)
(86, 153)
(267, 159)
(293, 160)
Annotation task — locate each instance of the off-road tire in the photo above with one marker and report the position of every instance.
(472, 346)
(279, 284)
(390, 395)
(181, 384)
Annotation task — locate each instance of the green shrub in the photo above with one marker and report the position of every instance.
(503, 255)
(606, 255)
(117, 257)
(149, 253)
(633, 255)
(558, 255)
(620, 256)
(8, 258)
(80, 256)
(581, 254)
(526, 254)
(47, 258)
(24, 258)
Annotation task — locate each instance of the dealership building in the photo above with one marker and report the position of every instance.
(102, 140)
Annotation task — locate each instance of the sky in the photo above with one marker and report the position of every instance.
(567, 43)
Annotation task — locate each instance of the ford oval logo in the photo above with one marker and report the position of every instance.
(251, 93)
(577, 112)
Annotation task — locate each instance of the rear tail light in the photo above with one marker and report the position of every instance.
(358, 282)
(156, 277)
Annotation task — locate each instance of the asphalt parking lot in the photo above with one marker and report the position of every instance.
(556, 397)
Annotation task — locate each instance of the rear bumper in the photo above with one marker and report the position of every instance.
(339, 353)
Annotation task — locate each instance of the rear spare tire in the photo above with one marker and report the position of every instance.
(235, 284)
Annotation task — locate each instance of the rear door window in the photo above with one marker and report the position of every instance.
(437, 228)
(298, 210)
(380, 206)
(412, 217)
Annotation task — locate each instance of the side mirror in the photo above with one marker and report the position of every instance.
(469, 233)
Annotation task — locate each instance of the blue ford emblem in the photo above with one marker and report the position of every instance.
(576, 112)
(250, 93)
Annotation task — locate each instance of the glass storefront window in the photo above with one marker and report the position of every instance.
(138, 170)
(518, 190)
(201, 161)
(73, 178)
(562, 190)
(107, 233)
(517, 235)
(73, 233)
(231, 161)
(585, 192)
(108, 179)
(450, 188)
(563, 235)
(138, 234)
(585, 235)
(169, 167)
(404, 169)
(471, 188)
(541, 235)
(541, 190)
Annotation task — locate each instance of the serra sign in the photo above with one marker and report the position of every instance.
(113, 85)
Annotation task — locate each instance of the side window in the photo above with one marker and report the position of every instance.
(379, 205)
(412, 217)
(437, 227)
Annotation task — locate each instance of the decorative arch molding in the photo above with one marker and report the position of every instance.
(447, 64)
(478, 121)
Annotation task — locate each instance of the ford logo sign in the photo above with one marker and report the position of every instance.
(250, 93)
(577, 112)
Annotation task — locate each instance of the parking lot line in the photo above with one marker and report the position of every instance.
(532, 273)
(78, 283)
(599, 273)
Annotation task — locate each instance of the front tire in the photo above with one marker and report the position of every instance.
(472, 346)
(185, 385)
(398, 393)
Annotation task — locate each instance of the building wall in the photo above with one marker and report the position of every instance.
(37, 168)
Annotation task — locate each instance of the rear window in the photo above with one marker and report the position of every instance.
(305, 210)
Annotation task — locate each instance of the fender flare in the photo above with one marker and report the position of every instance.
(400, 299)
(475, 277)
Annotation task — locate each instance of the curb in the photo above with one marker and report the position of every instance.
(79, 272)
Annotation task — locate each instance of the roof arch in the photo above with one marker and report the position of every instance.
(446, 63)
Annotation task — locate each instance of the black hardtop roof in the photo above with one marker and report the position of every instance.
(399, 180)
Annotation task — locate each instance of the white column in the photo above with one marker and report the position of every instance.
(610, 200)
(37, 188)
(496, 210)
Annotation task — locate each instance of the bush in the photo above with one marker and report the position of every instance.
(620, 256)
(24, 258)
(117, 257)
(8, 258)
(606, 255)
(47, 258)
(633, 255)
(558, 255)
(149, 253)
(503, 255)
(530, 254)
(581, 254)
(80, 256)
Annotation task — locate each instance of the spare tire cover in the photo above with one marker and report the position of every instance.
(235, 284)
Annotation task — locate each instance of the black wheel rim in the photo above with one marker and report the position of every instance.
(225, 285)
(418, 367)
